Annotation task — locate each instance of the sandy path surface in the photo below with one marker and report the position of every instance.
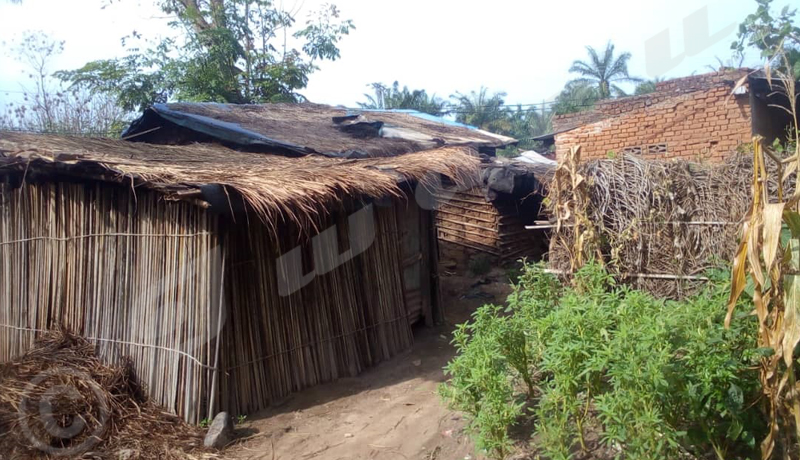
(391, 411)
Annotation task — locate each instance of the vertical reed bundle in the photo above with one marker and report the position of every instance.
(134, 274)
(340, 323)
(142, 278)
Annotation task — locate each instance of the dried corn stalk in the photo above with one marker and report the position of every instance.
(570, 203)
(773, 265)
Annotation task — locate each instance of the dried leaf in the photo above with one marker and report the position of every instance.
(752, 252)
(768, 444)
(738, 279)
(790, 169)
(740, 83)
(771, 232)
(791, 315)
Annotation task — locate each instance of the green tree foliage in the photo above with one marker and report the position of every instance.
(604, 72)
(224, 51)
(651, 378)
(577, 95)
(393, 97)
(483, 110)
(48, 106)
(489, 112)
(770, 33)
(529, 122)
(526, 123)
(647, 86)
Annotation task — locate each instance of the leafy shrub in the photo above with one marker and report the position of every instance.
(657, 378)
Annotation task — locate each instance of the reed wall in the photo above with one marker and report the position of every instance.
(182, 292)
(135, 274)
(340, 323)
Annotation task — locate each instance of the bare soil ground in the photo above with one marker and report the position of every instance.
(389, 412)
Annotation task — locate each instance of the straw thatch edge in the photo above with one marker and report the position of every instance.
(274, 187)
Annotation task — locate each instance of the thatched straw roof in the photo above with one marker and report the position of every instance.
(273, 186)
(302, 129)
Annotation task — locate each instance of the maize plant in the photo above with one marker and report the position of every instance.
(570, 200)
(769, 256)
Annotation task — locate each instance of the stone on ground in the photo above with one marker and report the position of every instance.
(220, 433)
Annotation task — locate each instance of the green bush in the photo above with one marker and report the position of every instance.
(656, 378)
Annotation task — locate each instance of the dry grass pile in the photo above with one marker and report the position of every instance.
(59, 400)
(658, 225)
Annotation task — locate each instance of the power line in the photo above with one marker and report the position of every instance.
(530, 105)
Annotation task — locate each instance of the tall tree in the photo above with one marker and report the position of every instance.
(483, 110)
(577, 95)
(393, 97)
(528, 122)
(47, 106)
(223, 51)
(604, 71)
(772, 34)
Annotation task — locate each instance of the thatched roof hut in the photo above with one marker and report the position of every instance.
(303, 129)
(489, 216)
(230, 279)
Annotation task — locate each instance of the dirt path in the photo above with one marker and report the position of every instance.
(389, 412)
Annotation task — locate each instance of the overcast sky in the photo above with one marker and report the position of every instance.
(524, 48)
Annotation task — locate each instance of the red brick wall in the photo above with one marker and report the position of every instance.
(664, 90)
(675, 122)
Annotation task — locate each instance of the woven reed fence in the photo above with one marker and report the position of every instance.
(657, 225)
(136, 275)
(155, 281)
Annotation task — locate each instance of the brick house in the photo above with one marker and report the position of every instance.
(697, 117)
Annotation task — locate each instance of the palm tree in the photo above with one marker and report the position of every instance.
(482, 110)
(648, 86)
(577, 95)
(527, 123)
(604, 72)
(393, 97)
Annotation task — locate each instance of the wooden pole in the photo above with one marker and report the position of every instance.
(215, 377)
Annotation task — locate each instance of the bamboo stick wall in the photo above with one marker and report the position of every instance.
(340, 323)
(497, 228)
(136, 275)
(151, 280)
